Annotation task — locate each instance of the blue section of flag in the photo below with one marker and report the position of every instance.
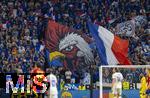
(55, 63)
(47, 56)
(99, 43)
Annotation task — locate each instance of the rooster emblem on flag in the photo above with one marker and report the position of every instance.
(64, 42)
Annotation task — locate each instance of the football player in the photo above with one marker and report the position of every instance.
(117, 79)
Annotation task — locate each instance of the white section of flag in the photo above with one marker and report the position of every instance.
(108, 38)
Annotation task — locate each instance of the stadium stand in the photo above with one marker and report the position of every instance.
(23, 23)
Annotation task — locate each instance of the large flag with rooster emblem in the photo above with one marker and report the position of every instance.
(73, 47)
(68, 44)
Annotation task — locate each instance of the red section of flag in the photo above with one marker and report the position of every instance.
(120, 50)
(56, 32)
(53, 34)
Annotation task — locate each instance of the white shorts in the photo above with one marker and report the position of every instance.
(117, 91)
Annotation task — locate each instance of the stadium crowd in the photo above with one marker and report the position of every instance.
(21, 38)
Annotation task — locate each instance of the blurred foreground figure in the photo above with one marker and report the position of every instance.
(117, 78)
(52, 91)
(148, 82)
(143, 86)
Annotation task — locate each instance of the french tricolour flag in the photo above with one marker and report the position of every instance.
(112, 50)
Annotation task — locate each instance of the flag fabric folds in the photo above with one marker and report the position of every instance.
(111, 49)
(56, 32)
(56, 62)
(52, 37)
(53, 34)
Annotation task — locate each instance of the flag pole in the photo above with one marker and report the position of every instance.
(91, 81)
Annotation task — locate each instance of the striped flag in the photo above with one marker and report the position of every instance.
(112, 49)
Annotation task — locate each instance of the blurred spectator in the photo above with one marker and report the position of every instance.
(81, 87)
(68, 74)
(62, 83)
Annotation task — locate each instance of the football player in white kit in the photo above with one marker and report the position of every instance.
(117, 79)
(52, 91)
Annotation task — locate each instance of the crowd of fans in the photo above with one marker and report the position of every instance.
(21, 40)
